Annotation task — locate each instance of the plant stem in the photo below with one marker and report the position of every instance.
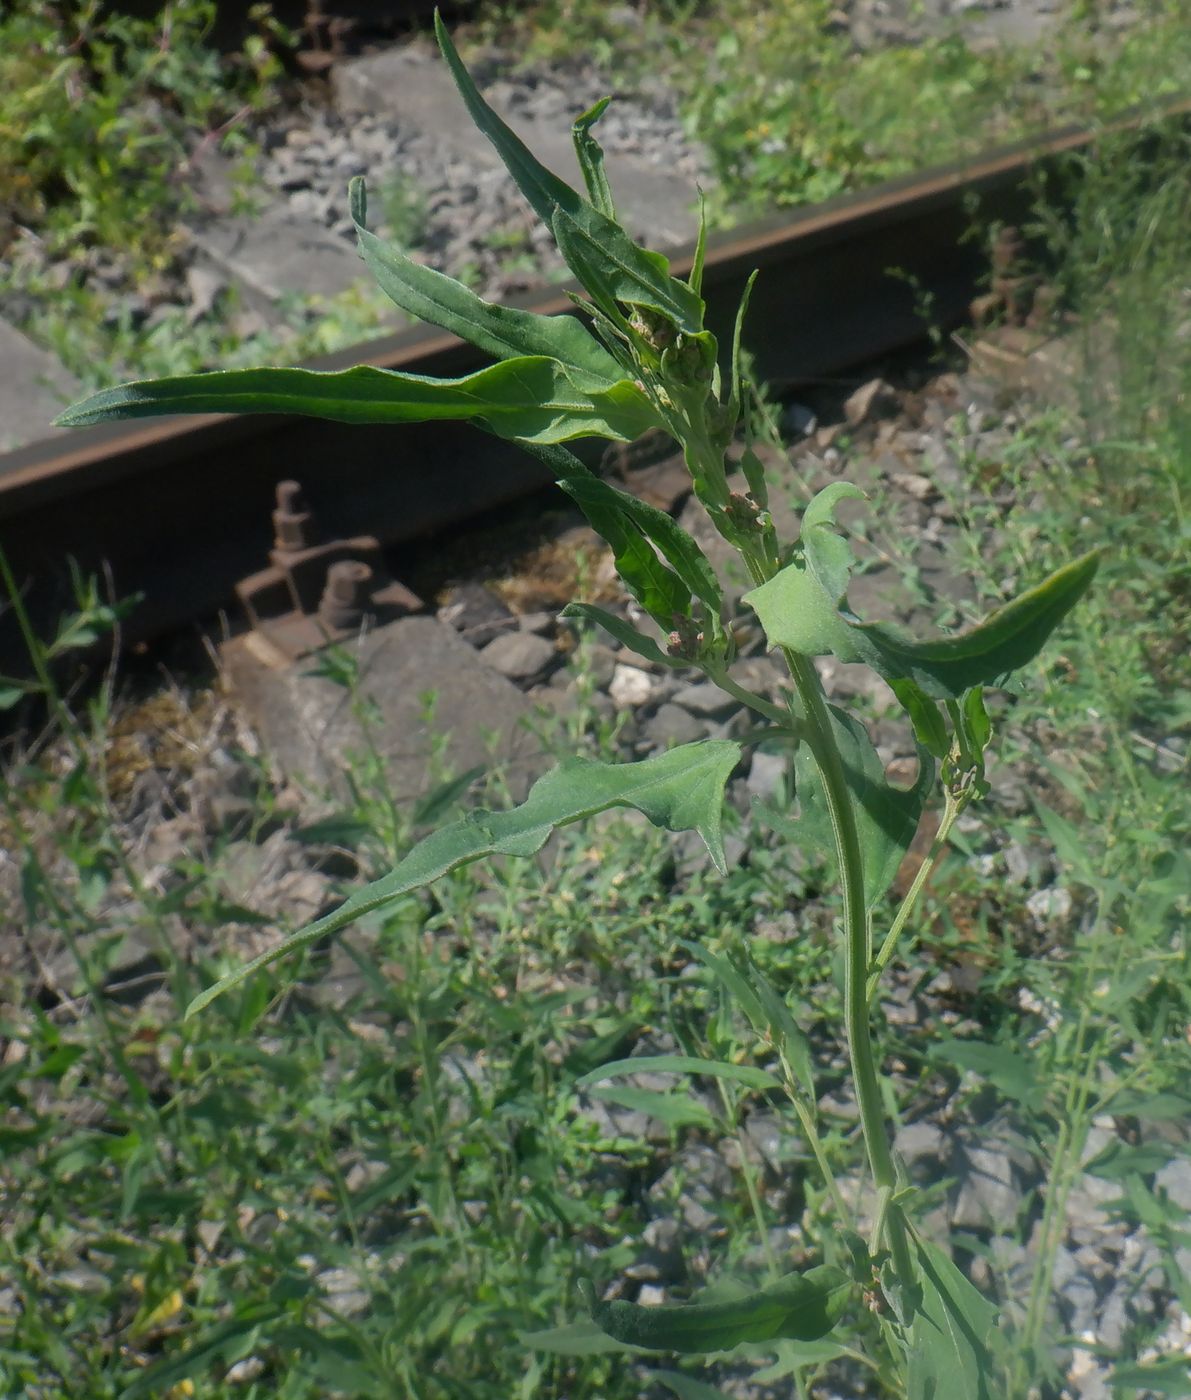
(821, 741)
(951, 811)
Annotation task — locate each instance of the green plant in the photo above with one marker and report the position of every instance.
(648, 363)
(791, 112)
(96, 110)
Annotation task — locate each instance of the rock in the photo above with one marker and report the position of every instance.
(698, 1181)
(797, 419)
(541, 624)
(308, 725)
(476, 613)
(1050, 908)
(1077, 1294)
(1175, 1179)
(521, 656)
(672, 725)
(630, 687)
(346, 1291)
(204, 288)
(649, 1295)
(925, 1149)
(921, 488)
(988, 1195)
(871, 401)
(598, 662)
(768, 776)
(34, 389)
(705, 700)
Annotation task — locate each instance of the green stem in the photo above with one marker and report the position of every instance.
(821, 740)
(776, 714)
(954, 806)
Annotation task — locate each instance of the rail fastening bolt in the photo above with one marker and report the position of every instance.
(293, 522)
(346, 593)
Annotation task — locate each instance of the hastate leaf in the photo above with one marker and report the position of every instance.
(801, 1307)
(1005, 641)
(642, 277)
(530, 399)
(828, 555)
(501, 331)
(949, 1356)
(796, 611)
(886, 817)
(680, 790)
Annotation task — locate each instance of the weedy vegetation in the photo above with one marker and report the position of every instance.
(234, 1188)
(641, 359)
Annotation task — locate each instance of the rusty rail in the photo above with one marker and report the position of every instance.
(177, 509)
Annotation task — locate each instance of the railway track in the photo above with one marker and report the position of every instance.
(177, 509)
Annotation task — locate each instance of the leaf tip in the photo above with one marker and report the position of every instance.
(357, 195)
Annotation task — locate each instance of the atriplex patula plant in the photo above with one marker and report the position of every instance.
(645, 361)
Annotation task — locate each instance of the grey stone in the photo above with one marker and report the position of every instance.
(1175, 1179)
(671, 725)
(705, 700)
(873, 400)
(308, 727)
(34, 389)
(631, 687)
(477, 613)
(277, 253)
(345, 1290)
(542, 624)
(699, 1180)
(1078, 1298)
(649, 1295)
(988, 1195)
(1050, 908)
(600, 664)
(767, 775)
(924, 1148)
(521, 656)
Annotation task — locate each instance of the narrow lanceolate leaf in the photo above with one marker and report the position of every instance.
(748, 1075)
(590, 156)
(930, 728)
(886, 817)
(681, 790)
(631, 529)
(625, 633)
(695, 280)
(500, 331)
(801, 1307)
(531, 398)
(675, 545)
(642, 277)
(764, 1006)
(737, 334)
(949, 1355)
(798, 612)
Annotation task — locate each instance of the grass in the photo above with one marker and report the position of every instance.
(791, 112)
(365, 1198)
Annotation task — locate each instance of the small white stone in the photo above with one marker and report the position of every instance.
(630, 687)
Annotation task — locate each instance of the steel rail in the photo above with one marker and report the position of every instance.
(177, 509)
